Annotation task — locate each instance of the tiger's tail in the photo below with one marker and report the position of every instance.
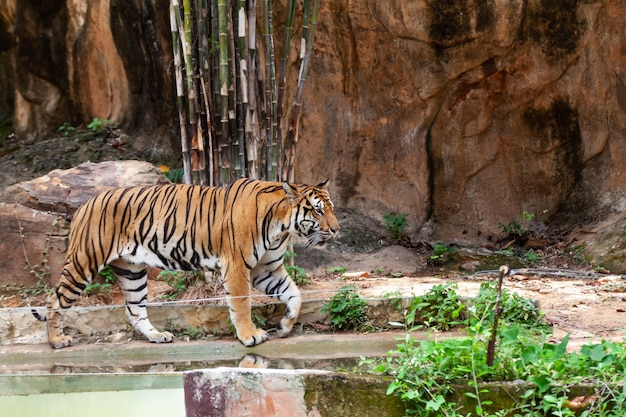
(38, 316)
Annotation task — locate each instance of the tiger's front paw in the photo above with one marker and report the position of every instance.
(161, 337)
(256, 337)
(60, 341)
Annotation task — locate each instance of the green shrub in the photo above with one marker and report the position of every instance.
(298, 274)
(425, 371)
(347, 310)
(439, 308)
(395, 223)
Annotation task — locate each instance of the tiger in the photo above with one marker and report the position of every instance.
(241, 230)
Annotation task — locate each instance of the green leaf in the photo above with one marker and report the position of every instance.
(594, 352)
(392, 388)
(543, 382)
(436, 403)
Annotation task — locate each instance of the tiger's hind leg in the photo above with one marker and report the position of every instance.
(56, 311)
(278, 283)
(74, 279)
(133, 280)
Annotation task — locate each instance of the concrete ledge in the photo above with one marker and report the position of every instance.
(226, 392)
(19, 326)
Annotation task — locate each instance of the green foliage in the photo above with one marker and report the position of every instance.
(337, 270)
(515, 308)
(99, 288)
(439, 308)
(395, 223)
(440, 253)
(395, 297)
(108, 275)
(193, 332)
(96, 288)
(98, 124)
(531, 257)
(189, 333)
(298, 274)
(425, 371)
(180, 281)
(513, 228)
(41, 288)
(258, 320)
(347, 310)
(175, 175)
(506, 252)
(66, 129)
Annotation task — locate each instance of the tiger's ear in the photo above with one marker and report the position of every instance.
(292, 192)
(323, 184)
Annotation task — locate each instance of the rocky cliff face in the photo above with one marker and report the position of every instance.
(106, 59)
(462, 114)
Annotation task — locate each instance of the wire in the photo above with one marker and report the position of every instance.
(558, 272)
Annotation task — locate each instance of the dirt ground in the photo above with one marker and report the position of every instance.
(586, 304)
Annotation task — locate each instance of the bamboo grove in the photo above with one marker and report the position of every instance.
(235, 118)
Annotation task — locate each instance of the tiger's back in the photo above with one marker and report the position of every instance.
(175, 226)
(241, 230)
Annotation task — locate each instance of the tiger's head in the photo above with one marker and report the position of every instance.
(313, 213)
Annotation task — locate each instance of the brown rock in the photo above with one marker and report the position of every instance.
(34, 216)
(32, 244)
(63, 191)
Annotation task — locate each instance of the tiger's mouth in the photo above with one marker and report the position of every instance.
(319, 237)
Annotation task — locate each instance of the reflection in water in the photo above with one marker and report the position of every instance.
(123, 367)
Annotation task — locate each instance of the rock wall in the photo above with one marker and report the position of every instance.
(464, 114)
(7, 97)
(106, 59)
(461, 114)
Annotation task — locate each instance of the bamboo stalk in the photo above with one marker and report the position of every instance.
(180, 90)
(231, 102)
(205, 141)
(209, 134)
(234, 101)
(251, 122)
(191, 89)
(224, 76)
(289, 147)
(282, 69)
(241, 85)
(215, 83)
(271, 98)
